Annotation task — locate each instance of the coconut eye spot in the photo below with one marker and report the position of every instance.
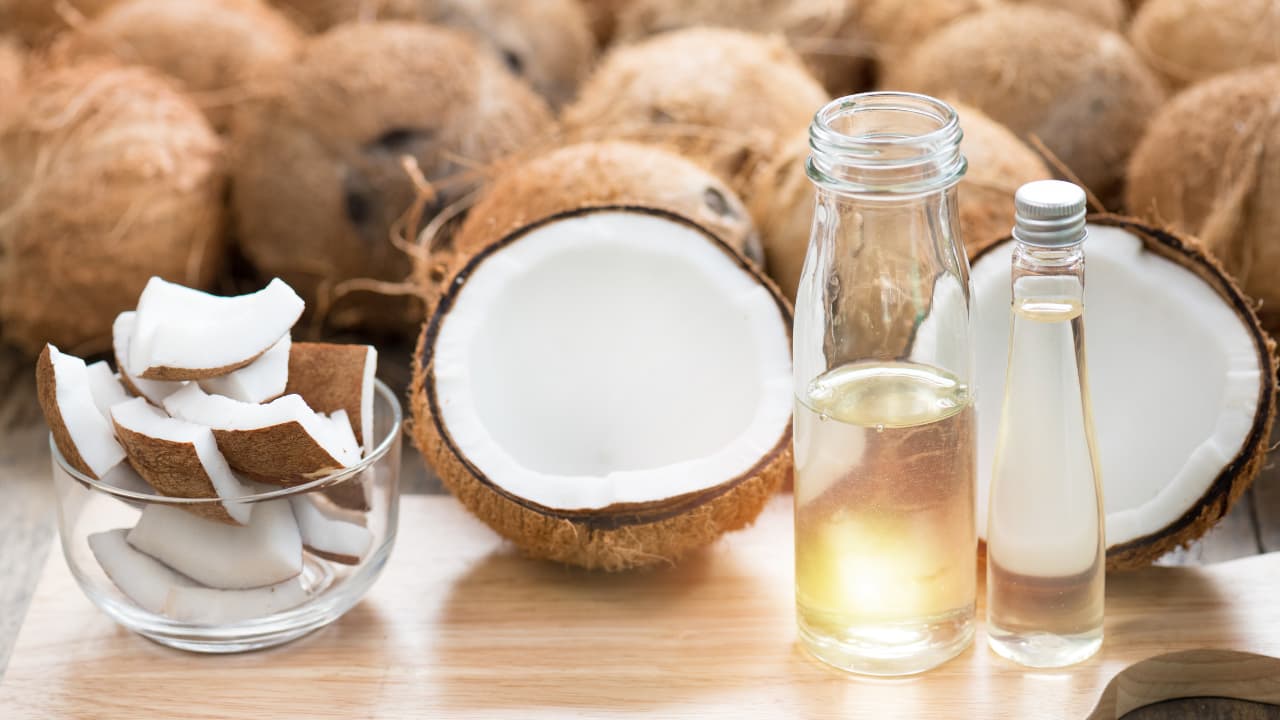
(513, 61)
(716, 202)
(399, 139)
(357, 207)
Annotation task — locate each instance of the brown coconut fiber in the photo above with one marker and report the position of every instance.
(612, 539)
(12, 63)
(1189, 40)
(109, 176)
(319, 177)
(36, 22)
(1238, 474)
(1079, 88)
(1209, 164)
(212, 47)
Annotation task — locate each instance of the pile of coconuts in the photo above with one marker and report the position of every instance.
(387, 158)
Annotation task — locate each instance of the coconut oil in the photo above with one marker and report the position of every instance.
(1045, 550)
(885, 537)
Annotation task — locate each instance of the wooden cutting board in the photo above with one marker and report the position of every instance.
(461, 626)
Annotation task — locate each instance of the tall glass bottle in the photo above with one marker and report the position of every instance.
(884, 424)
(1045, 552)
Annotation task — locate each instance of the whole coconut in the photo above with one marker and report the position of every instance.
(36, 22)
(213, 47)
(1079, 88)
(1189, 40)
(603, 16)
(110, 176)
(999, 163)
(319, 177)
(822, 31)
(1210, 165)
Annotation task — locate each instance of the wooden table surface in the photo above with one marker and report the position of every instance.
(27, 521)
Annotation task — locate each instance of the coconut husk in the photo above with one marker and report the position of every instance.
(619, 537)
(1190, 40)
(36, 22)
(1237, 474)
(593, 175)
(1209, 164)
(330, 377)
(212, 47)
(603, 16)
(823, 32)
(1077, 87)
(12, 63)
(111, 177)
(341, 118)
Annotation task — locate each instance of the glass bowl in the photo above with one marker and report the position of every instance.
(346, 527)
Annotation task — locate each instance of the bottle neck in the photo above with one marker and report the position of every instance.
(1048, 273)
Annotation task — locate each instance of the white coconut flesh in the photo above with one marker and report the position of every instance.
(181, 333)
(266, 551)
(154, 390)
(89, 431)
(143, 418)
(159, 589)
(259, 381)
(1174, 378)
(105, 387)
(329, 531)
(612, 357)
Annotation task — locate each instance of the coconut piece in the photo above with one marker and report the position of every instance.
(351, 495)
(154, 391)
(261, 380)
(212, 47)
(598, 174)
(82, 434)
(824, 32)
(342, 117)
(283, 442)
(185, 334)
(332, 377)
(1178, 442)
(105, 387)
(266, 551)
(179, 459)
(1209, 164)
(38, 21)
(142, 578)
(1079, 88)
(1190, 40)
(110, 177)
(615, 433)
(327, 532)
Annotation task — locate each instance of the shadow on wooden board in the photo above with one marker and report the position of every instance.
(1197, 674)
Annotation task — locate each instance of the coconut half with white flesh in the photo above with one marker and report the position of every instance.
(608, 387)
(266, 551)
(179, 459)
(332, 377)
(153, 390)
(82, 434)
(1181, 377)
(283, 442)
(184, 334)
(261, 380)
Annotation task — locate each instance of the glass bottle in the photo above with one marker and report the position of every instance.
(884, 424)
(1046, 563)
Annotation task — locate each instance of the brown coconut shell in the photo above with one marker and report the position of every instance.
(593, 175)
(283, 454)
(36, 22)
(1209, 164)
(1190, 40)
(173, 469)
(823, 32)
(212, 47)
(47, 394)
(999, 163)
(616, 538)
(110, 176)
(1238, 474)
(319, 175)
(1077, 87)
(330, 377)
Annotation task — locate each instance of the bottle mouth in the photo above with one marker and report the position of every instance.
(885, 144)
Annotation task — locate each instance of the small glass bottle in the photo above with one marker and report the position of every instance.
(1046, 563)
(885, 541)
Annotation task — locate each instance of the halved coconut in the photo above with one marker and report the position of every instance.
(266, 551)
(283, 442)
(82, 434)
(332, 377)
(184, 334)
(330, 531)
(608, 387)
(261, 380)
(105, 387)
(153, 390)
(159, 589)
(1181, 376)
(179, 459)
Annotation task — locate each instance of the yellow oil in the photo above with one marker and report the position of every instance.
(885, 537)
(1045, 549)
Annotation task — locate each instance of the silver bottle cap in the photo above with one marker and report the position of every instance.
(1050, 213)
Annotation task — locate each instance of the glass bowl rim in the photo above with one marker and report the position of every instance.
(379, 451)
